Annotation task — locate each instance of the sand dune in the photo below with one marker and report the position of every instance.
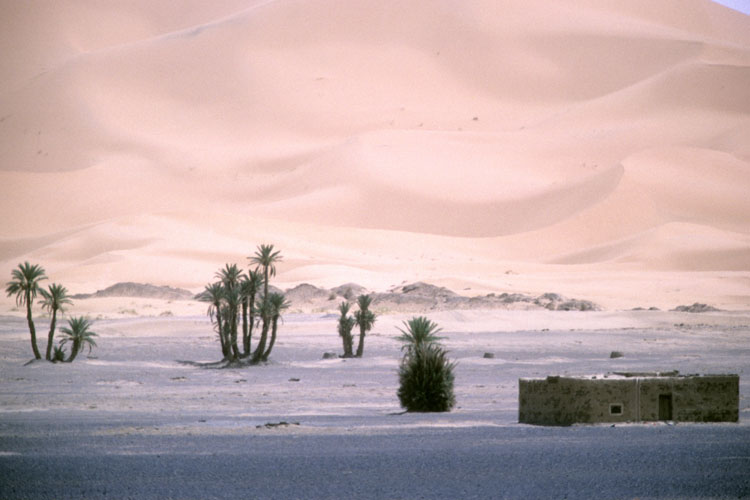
(378, 143)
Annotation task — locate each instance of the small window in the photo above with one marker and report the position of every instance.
(615, 409)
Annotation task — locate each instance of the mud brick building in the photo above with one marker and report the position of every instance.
(629, 397)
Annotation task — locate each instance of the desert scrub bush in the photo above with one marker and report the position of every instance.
(426, 379)
(58, 355)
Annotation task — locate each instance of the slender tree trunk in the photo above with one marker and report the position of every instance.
(233, 336)
(265, 284)
(361, 345)
(250, 326)
(347, 341)
(349, 345)
(51, 336)
(226, 349)
(260, 349)
(273, 338)
(74, 351)
(222, 341)
(343, 340)
(32, 330)
(245, 332)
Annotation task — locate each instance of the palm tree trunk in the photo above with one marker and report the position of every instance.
(349, 345)
(273, 338)
(233, 338)
(260, 349)
(361, 345)
(222, 341)
(51, 336)
(245, 332)
(343, 340)
(32, 330)
(225, 349)
(251, 325)
(74, 351)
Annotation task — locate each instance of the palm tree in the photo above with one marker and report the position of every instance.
(278, 304)
(419, 331)
(54, 300)
(425, 373)
(25, 286)
(365, 319)
(213, 293)
(249, 287)
(230, 276)
(266, 257)
(426, 379)
(346, 324)
(78, 334)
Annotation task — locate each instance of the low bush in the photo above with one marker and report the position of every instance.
(426, 380)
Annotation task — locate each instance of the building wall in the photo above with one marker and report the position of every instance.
(710, 398)
(567, 400)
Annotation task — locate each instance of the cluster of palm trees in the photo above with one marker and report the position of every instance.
(363, 317)
(25, 285)
(239, 298)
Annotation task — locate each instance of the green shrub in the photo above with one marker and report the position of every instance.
(426, 380)
(59, 355)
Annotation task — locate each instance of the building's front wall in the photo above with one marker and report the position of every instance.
(712, 398)
(564, 401)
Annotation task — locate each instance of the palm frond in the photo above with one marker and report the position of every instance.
(55, 298)
(266, 257)
(25, 282)
(419, 331)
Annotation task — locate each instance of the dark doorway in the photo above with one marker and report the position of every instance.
(665, 407)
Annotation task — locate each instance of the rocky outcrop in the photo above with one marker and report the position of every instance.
(144, 290)
(696, 308)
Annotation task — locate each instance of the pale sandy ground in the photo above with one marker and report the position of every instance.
(136, 367)
(597, 149)
(134, 402)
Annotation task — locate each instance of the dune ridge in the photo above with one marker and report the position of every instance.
(598, 149)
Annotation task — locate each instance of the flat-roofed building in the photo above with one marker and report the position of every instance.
(629, 397)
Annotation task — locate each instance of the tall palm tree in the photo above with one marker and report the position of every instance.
(78, 334)
(419, 331)
(365, 319)
(213, 293)
(265, 257)
(345, 326)
(278, 304)
(54, 300)
(249, 287)
(25, 286)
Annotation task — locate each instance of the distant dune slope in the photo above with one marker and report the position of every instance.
(378, 140)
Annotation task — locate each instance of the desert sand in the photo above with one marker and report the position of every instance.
(595, 149)
(137, 418)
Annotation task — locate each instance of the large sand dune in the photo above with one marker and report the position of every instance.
(596, 149)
